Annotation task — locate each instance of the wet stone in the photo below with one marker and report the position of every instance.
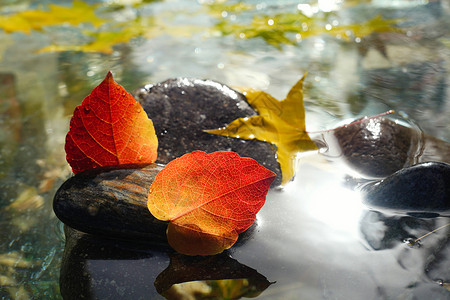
(377, 147)
(182, 108)
(111, 202)
(423, 187)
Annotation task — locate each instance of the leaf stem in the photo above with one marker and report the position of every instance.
(425, 235)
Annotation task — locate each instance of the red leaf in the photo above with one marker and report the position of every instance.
(209, 199)
(109, 128)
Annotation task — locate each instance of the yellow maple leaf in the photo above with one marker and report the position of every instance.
(37, 19)
(281, 123)
(104, 41)
(374, 25)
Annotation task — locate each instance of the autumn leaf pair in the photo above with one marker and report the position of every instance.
(208, 198)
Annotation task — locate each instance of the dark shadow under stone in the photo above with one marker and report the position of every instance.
(182, 108)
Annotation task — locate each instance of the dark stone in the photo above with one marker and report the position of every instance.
(111, 202)
(424, 187)
(182, 108)
(377, 147)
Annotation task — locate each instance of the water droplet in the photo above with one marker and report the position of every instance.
(233, 155)
(412, 242)
(87, 109)
(440, 282)
(123, 94)
(140, 157)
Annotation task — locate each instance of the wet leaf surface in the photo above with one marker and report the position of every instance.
(209, 199)
(109, 128)
(281, 123)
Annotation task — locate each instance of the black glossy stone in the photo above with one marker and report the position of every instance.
(423, 187)
(182, 108)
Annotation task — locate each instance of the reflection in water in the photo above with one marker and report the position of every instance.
(323, 243)
(210, 277)
(96, 268)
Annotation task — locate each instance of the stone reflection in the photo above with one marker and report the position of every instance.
(387, 231)
(209, 277)
(99, 268)
(425, 249)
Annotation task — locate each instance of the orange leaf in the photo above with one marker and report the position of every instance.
(109, 128)
(209, 199)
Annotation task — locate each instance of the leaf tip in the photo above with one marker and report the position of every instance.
(109, 76)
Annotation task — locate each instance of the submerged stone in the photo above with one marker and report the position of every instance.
(182, 108)
(423, 187)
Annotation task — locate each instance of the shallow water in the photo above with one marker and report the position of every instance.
(314, 238)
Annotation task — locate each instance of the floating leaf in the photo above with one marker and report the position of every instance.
(26, 21)
(284, 28)
(209, 199)
(288, 28)
(221, 8)
(374, 25)
(142, 27)
(102, 41)
(281, 123)
(109, 128)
